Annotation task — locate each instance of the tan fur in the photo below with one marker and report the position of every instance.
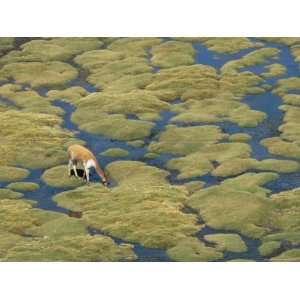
(78, 153)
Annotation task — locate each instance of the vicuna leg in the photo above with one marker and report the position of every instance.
(70, 165)
(87, 174)
(74, 169)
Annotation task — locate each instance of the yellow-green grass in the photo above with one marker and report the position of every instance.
(191, 250)
(229, 45)
(58, 177)
(172, 54)
(186, 140)
(237, 166)
(115, 152)
(23, 186)
(37, 74)
(143, 207)
(39, 143)
(238, 204)
(227, 242)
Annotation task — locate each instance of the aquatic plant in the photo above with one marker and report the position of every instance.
(229, 45)
(8, 174)
(192, 249)
(23, 186)
(36, 74)
(115, 152)
(58, 177)
(227, 242)
(143, 208)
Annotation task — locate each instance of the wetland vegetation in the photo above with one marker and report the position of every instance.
(200, 138)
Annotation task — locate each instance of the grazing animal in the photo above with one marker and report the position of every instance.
(78, 153)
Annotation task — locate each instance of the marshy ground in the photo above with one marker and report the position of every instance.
(200, 137)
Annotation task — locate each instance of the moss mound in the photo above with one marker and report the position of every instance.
(193, 250)
(38, 145)
(274, 70)
(115, 152)
(186, 140)
(58, 177)
(71, 95)
(55, 49)
(289, 255)
(23, 186)
(28, 100)
(29, 234)
(256, 57)
(38, 74)
(78, 248)
(228, 45)
(8, 174)
(237, 204)
(201, 162)
(143, 208)
(8, 194)
(227, 242)
(216, 110)
(268, 248)
(237, 166)
(172, 54)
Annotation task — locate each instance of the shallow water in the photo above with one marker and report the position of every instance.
(266, 102)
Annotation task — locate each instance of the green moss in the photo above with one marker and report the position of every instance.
(277, 146)
(194, 186)
(38, 74)
(287, 236)
(228, 45)
(290, 129)
(151, 155)
(63, 226)
(283, 86)
(136, 144)
(149, 117)
(58, 177)
(173, 54)
(6, 43)
(291, 99)
(227, 242)
(8, 174)
(23, 186)
(253, 58)
(201, 162)
(288, 256)
(118, 127)
(239, 137)
(134, 46)
(288, 41)
(112, 108)
(115, 152)
(286, 217)
(186, 140)
(236, 204)
(237, 166)
(78, 248)
(71, 95)
(103, 77)
(190, 166)
(268, 248)
(216, 110)
(192, 249)
(28, 100)
(56, 49)
(143, 207)
(8, 194)
(274, 70)
(172, 83)
(39, 144)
